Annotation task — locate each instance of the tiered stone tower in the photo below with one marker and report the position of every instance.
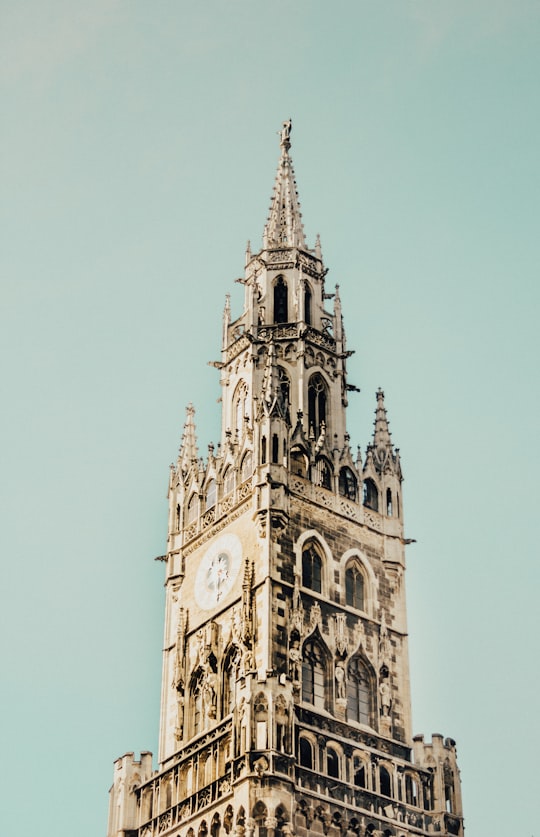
(285, 697)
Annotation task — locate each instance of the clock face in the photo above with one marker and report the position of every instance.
(217, 571)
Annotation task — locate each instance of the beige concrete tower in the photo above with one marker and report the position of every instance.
(285, 694)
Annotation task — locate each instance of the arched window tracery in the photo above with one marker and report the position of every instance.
(323, 471)
(355, 586)
(360, 696)
(312, 567)
(317, 401)
(347, 484)
(314, 675)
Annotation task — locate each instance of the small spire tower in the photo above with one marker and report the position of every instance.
(285, 706)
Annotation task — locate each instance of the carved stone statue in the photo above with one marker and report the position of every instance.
(286, 132)
(341, 686)
(386, 698)
(295, 661)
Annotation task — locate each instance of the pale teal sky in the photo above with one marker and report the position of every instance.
(138, 154)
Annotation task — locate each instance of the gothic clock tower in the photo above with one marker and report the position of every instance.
(285, 705)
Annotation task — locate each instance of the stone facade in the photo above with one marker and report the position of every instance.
(285, 695)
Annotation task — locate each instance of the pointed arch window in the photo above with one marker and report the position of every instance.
(347, 484)
(281, 306)
(355, 587)
(241, 407)
(389, 502)
(312, 568)
(359, 693)
(313, 675)
(370, 497)
(317, 401)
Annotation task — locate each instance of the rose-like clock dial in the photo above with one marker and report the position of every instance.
(217, 571)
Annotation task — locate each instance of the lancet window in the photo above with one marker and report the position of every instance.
(347, 484)
(312, 567)
(371, 495)
(307, 304)
(360, 702)
(314, 675)
(317, 400)
(281, 307)
(355, 586)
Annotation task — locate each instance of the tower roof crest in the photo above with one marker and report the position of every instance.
(284, 225)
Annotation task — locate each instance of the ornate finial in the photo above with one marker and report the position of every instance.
(285, 135)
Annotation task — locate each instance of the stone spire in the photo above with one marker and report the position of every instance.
(380, 452)
(381, 434)
(284, 226)
(188, 447)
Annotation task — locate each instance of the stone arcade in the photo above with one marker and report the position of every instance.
(285, 695)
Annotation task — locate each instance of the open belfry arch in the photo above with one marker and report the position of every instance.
(285, 704)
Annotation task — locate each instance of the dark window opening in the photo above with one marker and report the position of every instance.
(298, 463)
(306, 754)
(371, 495)
(316, 405)
(347, 484)
(388, 502)
(360, 777)
(275, 448)
(385, 782)
(307, 305)
(281, 313)
(332, 763)
(263, 450)
(324, 474)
